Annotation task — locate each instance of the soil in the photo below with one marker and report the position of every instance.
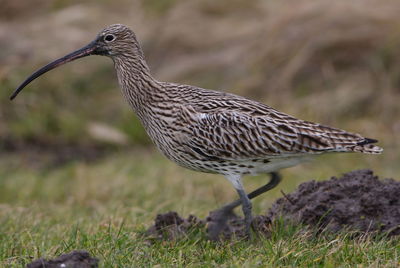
(74, 259)
(358, 202)
(171, 226)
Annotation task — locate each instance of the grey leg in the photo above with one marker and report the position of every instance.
(246, 207)
(274, 181)
(217, 220)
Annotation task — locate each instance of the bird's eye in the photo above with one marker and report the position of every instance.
(109, 38)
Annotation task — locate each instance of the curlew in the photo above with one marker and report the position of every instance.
(212, 131)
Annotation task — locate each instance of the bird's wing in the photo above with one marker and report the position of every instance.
(238, 135)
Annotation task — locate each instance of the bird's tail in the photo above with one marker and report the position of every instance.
(366, 146)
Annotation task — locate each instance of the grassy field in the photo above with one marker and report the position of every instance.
(77, 170)
(105, 206)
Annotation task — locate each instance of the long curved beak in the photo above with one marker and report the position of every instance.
(83, 52)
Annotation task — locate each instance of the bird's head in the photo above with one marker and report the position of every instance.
(114, 41)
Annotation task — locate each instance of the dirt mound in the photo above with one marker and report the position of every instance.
(358, 202)
(170, 226)
(75, 259)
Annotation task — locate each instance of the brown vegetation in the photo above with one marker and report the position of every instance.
(333, 62)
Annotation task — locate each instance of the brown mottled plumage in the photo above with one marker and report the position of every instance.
(212, 131)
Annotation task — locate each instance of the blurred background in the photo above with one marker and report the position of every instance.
(333, 62)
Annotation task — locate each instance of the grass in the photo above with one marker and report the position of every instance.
(335, 63)
(105, 206)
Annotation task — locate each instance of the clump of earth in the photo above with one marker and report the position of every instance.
(74, 259)
(358, 202)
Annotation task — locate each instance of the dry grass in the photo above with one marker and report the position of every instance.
(333, 62)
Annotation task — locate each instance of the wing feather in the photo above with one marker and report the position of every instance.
(232, 134)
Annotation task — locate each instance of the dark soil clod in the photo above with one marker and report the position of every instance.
(358, 202)
(74, 259)
(170, 226)
(223, 224)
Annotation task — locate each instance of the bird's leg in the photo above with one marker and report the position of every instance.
(273, 182)
(246, 207)
(217, 221)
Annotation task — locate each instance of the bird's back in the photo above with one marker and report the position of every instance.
(209, 128)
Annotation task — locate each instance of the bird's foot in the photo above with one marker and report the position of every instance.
(247, 227)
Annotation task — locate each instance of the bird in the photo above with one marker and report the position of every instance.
(212, 131)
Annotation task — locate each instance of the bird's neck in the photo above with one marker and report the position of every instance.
(137, 84)
(144, 94)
